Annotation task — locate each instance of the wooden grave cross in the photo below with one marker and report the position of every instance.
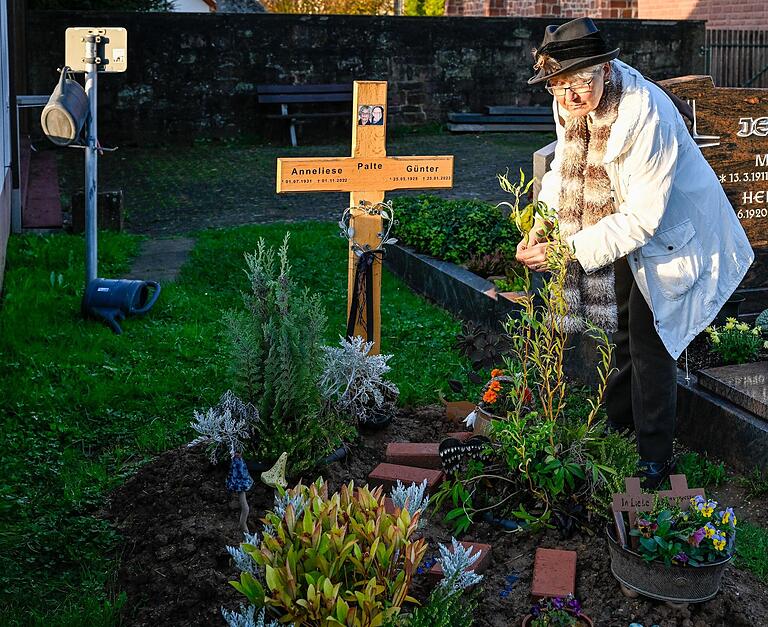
(366, 175)
(634, 500)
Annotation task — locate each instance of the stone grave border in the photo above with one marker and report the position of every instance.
(703, 417)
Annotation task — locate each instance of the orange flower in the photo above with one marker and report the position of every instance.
(490, 397)
(495, 386)
(496, 372)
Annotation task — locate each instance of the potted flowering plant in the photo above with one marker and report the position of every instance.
(557, 612)
(681, 554)
(504, 393)
(736, 342)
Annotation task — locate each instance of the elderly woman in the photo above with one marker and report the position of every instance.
(656, 246)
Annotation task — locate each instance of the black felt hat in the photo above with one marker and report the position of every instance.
(572, 46)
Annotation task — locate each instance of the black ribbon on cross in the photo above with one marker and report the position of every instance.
(361, 309)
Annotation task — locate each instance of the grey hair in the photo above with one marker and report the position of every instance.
(586, 73)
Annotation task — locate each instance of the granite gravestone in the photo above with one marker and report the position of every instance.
(735, 123)
(745, 384)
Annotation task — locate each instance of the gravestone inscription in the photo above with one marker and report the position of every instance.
(734, 122)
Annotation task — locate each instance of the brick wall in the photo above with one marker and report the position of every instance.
(607, 9)
(742, 14)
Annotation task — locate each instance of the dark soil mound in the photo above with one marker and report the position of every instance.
(176, 518)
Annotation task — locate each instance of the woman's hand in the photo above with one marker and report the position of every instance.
(533, 256)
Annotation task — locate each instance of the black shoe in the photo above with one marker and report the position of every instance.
(653, 474)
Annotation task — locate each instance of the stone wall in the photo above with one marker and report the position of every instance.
(196, 74)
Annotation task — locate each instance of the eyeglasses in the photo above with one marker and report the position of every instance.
(577, 88)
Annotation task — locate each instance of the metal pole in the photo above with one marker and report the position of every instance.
(91, 161)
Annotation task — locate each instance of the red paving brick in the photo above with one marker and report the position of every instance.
(388, 474)
(554, 573)
(424, 455)
(480, 566)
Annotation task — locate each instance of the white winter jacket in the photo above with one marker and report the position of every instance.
(672, 220)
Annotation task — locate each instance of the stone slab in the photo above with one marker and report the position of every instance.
(419, 454)
(387, 475)
(746, 385)
(480, 566)
(554, 573)
(161, 259)
(713, 425)
(451, 286)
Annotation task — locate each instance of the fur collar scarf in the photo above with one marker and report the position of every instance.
(586, 198)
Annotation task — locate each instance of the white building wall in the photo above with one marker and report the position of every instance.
(6, 180)
(5, 90)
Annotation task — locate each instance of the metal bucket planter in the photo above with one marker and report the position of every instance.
(674, 584)
(483, 422)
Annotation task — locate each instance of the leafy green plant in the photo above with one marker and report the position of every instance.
(510, 284)
(755, 483)
(277, 362)
(736, 342)
(342, 561)
(695, 536)
(541, 457)
(444, 608)
(460, 515)
(454, 230)
(701, 471)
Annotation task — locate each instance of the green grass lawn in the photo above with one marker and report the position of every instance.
(81, 407)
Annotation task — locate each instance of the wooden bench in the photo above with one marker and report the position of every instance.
(285, 95)
(502, 119)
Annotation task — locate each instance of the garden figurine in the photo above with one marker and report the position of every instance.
(239, 480)
(636, 202)
(275, 476)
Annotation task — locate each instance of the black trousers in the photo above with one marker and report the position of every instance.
(642, 393)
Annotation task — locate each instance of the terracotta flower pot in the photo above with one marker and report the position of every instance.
(584, 620)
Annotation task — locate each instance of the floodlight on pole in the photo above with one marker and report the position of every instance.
(70, 110)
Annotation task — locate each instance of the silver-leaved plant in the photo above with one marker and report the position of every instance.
(353, 379)
(226, 426)
(243, 560)
(282, 501)
(246, 617)
(456, 562)
(413, 498)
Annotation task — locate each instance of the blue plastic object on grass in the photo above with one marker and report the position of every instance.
(113, 299)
